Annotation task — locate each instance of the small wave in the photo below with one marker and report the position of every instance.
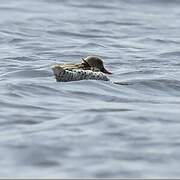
(80, 35)
(119, 23)
(158, 40)
(159, 87)
(27, 73)
(21, 106)
(94, 45)
(106, 110)
(17, 40)
(170, 54)
(139, 72)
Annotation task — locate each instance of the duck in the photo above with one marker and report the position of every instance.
(91, 67)
(93, 63)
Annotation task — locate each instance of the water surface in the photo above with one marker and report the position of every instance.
(93, 129)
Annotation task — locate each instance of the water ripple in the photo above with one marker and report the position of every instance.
(125, 128)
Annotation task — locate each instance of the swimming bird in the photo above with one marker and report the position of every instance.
(91, 67)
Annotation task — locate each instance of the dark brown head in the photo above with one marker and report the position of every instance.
(96, 62)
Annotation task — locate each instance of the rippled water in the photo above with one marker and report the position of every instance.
(130, 128)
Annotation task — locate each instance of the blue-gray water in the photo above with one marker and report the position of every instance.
(90, 128)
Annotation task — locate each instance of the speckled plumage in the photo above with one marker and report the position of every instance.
(65, 75)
